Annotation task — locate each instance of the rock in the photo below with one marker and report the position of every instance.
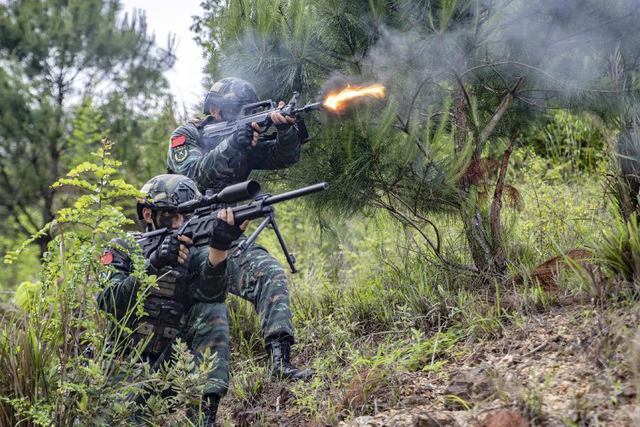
(470, 385)
(415, 400)
(503, 419)
(510, 385)
(424, 419)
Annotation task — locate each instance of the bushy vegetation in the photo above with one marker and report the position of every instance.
(407, 262)
(63, 362)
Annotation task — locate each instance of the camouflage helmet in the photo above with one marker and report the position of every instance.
(230, 92)
(166, 192)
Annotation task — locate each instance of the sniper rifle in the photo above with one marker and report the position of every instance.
(204, 211)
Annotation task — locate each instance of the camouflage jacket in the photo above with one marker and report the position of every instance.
(214, 164)
(206, 283)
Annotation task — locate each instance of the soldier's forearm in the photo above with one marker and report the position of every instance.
(210, 285)
(216, 256)
(283, 153)
(207, 169)
(118, 297)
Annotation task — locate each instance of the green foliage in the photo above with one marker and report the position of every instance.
(186, 379)
(574, 142)
(620, 243)
(620, 247)
(461, 79)
(370, 296)
(560, 213)
(65, 363)
(248, 383)
(373, 165)
(70, 70)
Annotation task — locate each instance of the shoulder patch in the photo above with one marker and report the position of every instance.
(177, 141)
(106, 258)
(180, 154)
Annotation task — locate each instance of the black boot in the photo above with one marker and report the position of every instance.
(280, 366)
(210, 410)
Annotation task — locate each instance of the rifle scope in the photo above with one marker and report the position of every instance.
(232, 194)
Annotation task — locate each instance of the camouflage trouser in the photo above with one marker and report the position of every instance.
(207, 326)
(257, 277)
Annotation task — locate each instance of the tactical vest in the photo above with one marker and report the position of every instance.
(166, 307)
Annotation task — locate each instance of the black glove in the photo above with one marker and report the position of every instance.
(167, 254)
(242, 138)
(222, 234)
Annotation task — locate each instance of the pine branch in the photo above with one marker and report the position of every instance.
(435, 248)
(502, 108)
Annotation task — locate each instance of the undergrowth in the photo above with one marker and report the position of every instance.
(371, 301)
(62, 361)
(370, 304)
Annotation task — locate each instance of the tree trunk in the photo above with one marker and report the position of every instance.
(460, 117)
(485, 256)
(496, 208)
(298, 83)
(480, 244)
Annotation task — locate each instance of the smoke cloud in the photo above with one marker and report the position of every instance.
(564, 51)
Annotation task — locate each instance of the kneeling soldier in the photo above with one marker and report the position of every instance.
(192, 286)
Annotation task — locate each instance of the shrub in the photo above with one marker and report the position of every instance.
(62, 363)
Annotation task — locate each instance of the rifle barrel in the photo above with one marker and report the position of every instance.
(310, 107)
(304, 191)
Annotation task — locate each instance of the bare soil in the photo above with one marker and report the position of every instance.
(570, 365)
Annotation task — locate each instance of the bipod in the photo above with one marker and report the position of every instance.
(269, 221)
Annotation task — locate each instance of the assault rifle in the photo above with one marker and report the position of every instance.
(260, 113)
(205, 209)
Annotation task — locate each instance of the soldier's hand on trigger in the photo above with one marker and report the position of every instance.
(282, 123)
(224, 231)
(247, 137)
(171, 252)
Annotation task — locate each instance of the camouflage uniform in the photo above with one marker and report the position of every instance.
(195, 313)
(187, 304)
(213, 163)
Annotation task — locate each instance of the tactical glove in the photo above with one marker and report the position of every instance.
(167, 254)
(242, 138)
(222, 235)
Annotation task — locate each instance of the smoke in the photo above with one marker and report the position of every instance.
(560, 51)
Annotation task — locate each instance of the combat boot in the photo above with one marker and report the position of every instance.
(280, 366)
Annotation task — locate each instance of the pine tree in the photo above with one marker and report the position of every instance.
(462, 78)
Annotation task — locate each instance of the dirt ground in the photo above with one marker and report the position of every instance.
(567, 366)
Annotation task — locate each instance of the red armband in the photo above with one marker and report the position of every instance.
(106, 258)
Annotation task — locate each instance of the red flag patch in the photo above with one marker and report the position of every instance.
(177, 141)
(106, 258)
